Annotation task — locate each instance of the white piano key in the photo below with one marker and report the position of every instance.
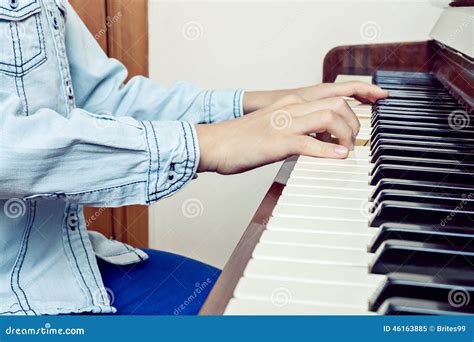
(355, 242)
(239, 307)
(281, 292)
(331, 183)
(304, 272)
(356, 214)
(340, 168)
(320, 225)
(323, 201)
(325, 192)
(346, 78)
(317, 255)
(323, 175)
(325, 161)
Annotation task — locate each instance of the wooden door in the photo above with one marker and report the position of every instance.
(121, 29)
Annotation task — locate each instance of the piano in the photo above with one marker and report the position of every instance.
(389, 230)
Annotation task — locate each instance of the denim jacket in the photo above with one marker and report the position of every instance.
(73, 134)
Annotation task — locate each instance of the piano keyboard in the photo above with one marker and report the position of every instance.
(328, 250)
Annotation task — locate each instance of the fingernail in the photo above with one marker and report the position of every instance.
(341, 150)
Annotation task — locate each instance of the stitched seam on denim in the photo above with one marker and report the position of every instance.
(16, 262)
(159, 161)
(236, 103)
(41, 50)
(100, 190)
(11, 312)
(185, 167)
(14, 56)
(132, 250)
(75, 259)
(117, 255)
(59, 57)
(193, 164)
(149, 162)
(182, 181)
(90, 267)
(24, 255)
(21, 67)
(18, 10)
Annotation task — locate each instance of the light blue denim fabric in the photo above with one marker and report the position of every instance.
(72, 134)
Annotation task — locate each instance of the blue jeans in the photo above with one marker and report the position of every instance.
(165, 284)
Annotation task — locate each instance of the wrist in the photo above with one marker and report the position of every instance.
(208, 139)
(255, 100)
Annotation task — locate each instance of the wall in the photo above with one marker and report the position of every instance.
(253, 45)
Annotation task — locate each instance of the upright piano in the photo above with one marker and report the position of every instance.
(389, 230)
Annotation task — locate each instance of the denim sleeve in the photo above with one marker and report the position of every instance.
(99, 87)
(92, 159)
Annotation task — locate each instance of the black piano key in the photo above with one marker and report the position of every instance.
(384, 122)
(420, 143)
(428, 140)
(466, 190)
(422, 152)
(420, 213)
(411, 306)
(444, 199)
(436, 288)
(438, 234)
(435, 175)
(420, 131)
(422, 258)
(412, 119)
(411, 111)
(425, 104)
(423, 162)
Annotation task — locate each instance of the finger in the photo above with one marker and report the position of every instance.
(363, 92)
(325, 121)
(311, 147)
(335, 104)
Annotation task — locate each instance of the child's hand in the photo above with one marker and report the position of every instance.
(361, 91)
(277, 132)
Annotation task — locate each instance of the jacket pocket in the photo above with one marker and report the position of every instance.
(22, 37)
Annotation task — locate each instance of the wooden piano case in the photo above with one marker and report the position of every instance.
(453, 70)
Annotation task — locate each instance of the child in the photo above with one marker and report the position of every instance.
(72, 134)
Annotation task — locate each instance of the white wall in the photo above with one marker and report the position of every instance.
(253, 45)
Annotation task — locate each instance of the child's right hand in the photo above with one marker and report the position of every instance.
(276, 132)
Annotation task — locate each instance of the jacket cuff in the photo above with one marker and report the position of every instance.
(223, 105)
(173, 157)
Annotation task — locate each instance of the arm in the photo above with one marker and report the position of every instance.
(99, 87)
(363, 92)
(90, 159)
